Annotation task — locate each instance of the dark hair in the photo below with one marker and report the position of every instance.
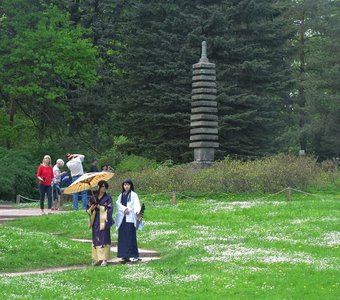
(129, 182)
(102, 183)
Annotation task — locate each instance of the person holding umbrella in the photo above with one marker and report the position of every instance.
(100, 209)
(128, 209)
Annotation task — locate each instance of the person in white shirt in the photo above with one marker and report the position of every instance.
(75, 165)
(56, 183)
(128, 208)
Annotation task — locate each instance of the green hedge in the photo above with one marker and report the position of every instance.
(135, 163)
(268, 174)
(17, 174)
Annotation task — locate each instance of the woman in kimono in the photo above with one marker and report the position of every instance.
(100, 208)
(128, 208)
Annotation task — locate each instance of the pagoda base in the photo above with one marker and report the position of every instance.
(204, 155)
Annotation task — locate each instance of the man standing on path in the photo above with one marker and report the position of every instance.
(75, 164)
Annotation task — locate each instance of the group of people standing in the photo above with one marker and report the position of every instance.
(49, 182)
(50, 179)
(100, 208)
(128, 213)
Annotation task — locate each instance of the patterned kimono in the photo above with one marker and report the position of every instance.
(101, 221)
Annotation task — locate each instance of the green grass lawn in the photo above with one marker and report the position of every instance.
(212, 247)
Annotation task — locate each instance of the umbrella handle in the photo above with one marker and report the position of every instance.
(94, 198)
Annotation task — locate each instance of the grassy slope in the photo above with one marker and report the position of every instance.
(218, 246)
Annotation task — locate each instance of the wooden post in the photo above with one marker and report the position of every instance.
(174, 197)
(18, 199)
(289, 194)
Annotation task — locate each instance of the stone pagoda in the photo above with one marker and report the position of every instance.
(204, 120)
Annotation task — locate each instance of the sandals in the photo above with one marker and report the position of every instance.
(104, 263)
(97, 263)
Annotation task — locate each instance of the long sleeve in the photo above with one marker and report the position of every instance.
(92, 213)
(110, 207)
(136, 204)
(89, 203)
(120, 208)
(39, 172)
(45, 173)
(81, 156)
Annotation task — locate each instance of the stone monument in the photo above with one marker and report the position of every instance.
(204, 120)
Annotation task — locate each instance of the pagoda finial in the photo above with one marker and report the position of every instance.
(204, 52)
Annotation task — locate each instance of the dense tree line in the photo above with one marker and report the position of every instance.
(75, 75)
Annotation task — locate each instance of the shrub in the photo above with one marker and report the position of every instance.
(135, 163)
(115, 154)
(329, 165)
(268, 174)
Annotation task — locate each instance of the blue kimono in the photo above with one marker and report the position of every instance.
(127, 236)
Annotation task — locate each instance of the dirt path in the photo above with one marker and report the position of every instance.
(144, 255)
(8, 213)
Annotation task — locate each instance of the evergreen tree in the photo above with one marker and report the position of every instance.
(250, 48)
(247, 40)
(316, 98)
(323, 82)
(101, 18)
(153, 104)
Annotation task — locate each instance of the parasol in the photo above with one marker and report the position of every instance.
(87, 182)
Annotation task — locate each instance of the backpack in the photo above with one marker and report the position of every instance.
(66, 180)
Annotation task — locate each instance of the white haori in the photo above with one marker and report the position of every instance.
(134, 208)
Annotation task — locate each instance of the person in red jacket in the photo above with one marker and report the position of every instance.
(45, 176)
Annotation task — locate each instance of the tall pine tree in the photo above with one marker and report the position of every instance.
(91, 122)
(248, 42)
(316, 98)
(153, 103)
(323, 84)
(250, 48)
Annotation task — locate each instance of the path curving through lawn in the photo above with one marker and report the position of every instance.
(8, 213)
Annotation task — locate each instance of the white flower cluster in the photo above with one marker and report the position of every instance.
(214, 206)
(153, 223)
(314, 219)
(238, 252)
(141, 273)
(201, 241)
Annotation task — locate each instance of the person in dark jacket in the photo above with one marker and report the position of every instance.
(94, 166)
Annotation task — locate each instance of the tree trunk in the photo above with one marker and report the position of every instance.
(301, 98)
(12, 111)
